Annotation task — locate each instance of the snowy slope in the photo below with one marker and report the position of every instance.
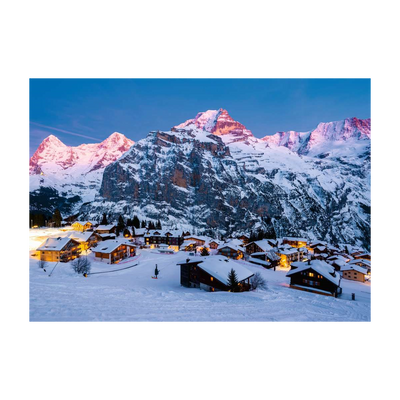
(131, 295)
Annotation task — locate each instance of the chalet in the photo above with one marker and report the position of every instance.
(188, 245)
(138, 234)
(289, 254)
(232, 249)
(337, 261)
(214, 244)
(59, 248)
(154, 238)
(315, 276)
(107, 236)
(86, 239)
(245, 239)
(258, 246)
(295, 241)
(354, 272)
(113, 251)
(211, 273)
(362, 256)
(106, 229)
(82, 225)
(200, 241)
(320, 253)
(362, 263)
(268, 259)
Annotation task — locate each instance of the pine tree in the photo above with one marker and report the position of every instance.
(158, 224)
(233, 283)
(133, 231)
(104, 220)
(136, 222)
(151, 225)
(129, 222)
(143, 224)
(121, 223)
(57, 218)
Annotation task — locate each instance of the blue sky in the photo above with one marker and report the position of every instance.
(89, 110)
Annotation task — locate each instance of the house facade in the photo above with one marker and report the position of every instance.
(113, 251)
(211, 273)
(154, 238)
(82, 226)
(315, 276)
(354, 272)
(59, 249)
(295, 241)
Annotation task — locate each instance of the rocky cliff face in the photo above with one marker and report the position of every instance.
(212, 173)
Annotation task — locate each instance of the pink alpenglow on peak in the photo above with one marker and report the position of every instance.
(54, 156)
(220, 123)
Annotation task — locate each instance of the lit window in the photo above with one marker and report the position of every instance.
(211, 279)
(311, 274)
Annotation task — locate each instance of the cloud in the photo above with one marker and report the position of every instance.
(64, 131)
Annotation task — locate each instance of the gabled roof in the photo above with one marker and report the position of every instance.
(83, 222)
(320, 267)
(104, 227)
(295, 239)
(108, 246)
(219, 267)
(54, 243)
(78, 236)
(354, 267)
(262, 244)
(360, 261)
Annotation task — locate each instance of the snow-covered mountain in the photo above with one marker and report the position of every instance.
(74, 171)
(212, 173)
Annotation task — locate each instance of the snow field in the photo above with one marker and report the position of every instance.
(132, 295)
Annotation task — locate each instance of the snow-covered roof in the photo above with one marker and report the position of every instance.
(365, 262)
(78, 236)
(338, 257)
(104, 227)
(219, 267)
(319, 266)
(83, 222)
(163, 232)
(140, 231)
(262, 244)
(295, 239)
(104, 235)
(108, 246)
(54, 243)
(353, 267)
(321, 248)
(234, 244)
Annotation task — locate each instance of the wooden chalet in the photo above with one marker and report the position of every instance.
(232, 249)
(211, 273)
(214, 244)
(245, 239)
(295, 241)
(362, 256)
(101, 229)
(315, 276)
(268, 259)
(82, 226)
(155, 237)
(258, 246)
(289, 254)
(61, 249)
(113, 251)
(86, 239)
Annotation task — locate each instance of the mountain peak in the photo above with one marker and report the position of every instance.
(219, 123)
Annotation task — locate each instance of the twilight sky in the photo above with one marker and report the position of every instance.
(89, 110)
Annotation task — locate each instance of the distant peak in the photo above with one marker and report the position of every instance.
(51, 139)
(118, 137)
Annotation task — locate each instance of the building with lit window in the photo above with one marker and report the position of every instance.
(315, 276)
(211, 273)
(61, 249)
